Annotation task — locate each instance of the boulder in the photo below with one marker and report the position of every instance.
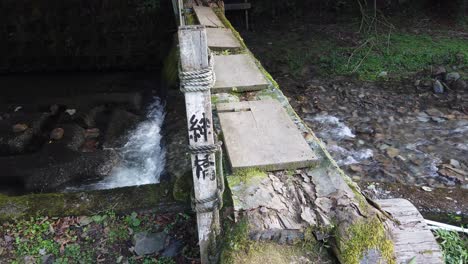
(149, 243)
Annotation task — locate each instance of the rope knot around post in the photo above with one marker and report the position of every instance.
(198, 80)
(214, 202)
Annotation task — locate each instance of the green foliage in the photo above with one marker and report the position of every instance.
(398, 54)
(34, 237)
(75, 254)
(179, 218)
(454, 247)
(132, 220)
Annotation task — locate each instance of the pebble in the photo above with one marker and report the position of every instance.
(439, 70)
(455, 163)
(438, 87)
(392, 152)
(356, 168)
(383, 74)
(70, 111)
(452, 77)
(57, 133)
(18, 128)
(92, 133)
(427, 189)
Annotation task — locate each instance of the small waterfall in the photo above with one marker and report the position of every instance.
(143, 157)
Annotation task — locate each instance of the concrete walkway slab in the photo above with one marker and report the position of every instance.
(220, 39)
(207, 17)
(260, 134)
(237, 73)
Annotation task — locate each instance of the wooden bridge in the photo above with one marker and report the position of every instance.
(281, 179)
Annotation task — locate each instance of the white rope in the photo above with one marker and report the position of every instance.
(199, 80)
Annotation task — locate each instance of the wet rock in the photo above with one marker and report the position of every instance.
(364, 129)
(437, 87)
(54, 109)
(57, 133)
(92, 133)
(149, 243)
(18, 128)
(392, 152)
(356, 168)
(426, 83)
(70, 111)
(439, 70)
(452, 77)
(460, 85)
(121, 121)
(417, 83)
(437, 119)
(455, 163)
(434, 112)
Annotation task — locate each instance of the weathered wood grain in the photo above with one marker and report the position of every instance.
(412, 238)
(194, 56)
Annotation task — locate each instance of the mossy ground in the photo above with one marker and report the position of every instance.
(239, 249)
(363, 236)
(399, 53)
(103, 238)
(155, 196)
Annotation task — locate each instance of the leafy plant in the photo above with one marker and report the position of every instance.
(132, 220)
(454, 247)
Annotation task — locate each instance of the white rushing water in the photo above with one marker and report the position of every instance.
(143, 157)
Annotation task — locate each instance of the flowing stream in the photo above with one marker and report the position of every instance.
(143, 156)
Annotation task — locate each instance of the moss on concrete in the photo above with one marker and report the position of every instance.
(235, 240)
(153, 196)
(170, 71)
(183, 188)
(363, 236)
(246, 176)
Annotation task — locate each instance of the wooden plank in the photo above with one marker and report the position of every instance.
(207, 17)
(412, 238)
(194, 56)
(237, 6)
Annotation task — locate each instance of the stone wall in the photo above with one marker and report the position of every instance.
(71, 35)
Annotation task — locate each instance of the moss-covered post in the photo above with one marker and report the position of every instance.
(196, 76)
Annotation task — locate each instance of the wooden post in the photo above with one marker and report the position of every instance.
(194, 56)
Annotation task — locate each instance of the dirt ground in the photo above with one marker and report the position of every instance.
(396, 137)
